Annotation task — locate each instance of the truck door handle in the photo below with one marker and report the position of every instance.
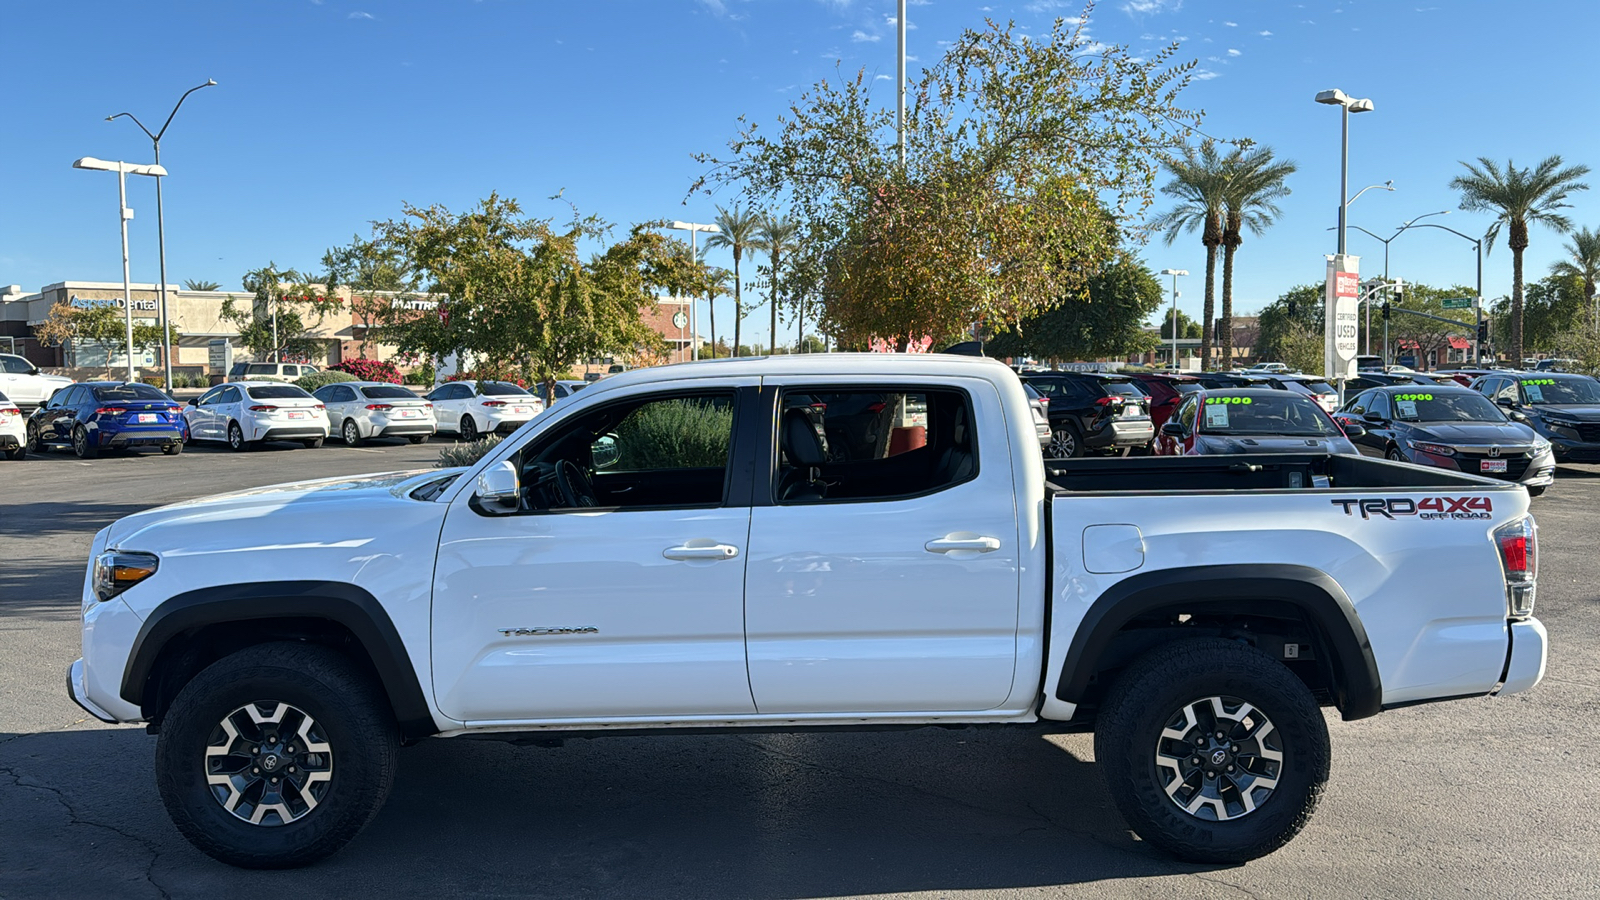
(701, 549)
(962, 540)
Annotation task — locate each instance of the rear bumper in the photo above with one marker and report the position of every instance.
(9, 441)
(293, 433)
(409, 428)
(144, 437)
(1525, 660)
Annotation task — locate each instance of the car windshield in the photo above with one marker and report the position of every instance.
(277, 392)
(499, 388)
(1283, 413)
(1444, 406)
(388, 392)
(127, 392)
(1561, 390)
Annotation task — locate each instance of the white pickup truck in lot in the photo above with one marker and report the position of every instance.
(806, 542)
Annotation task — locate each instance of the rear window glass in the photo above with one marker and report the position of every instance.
(1186, 387)
(276, 392)
(262, 369)
(499, 388)
(1318, 387)
(1127, 389)
(128, 392)
(388, 392)
(1263, 414)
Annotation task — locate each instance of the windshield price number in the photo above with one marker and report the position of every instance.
(1413, 397)
(1539, 381)
(1237, 401)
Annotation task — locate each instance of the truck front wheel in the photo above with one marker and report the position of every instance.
(276, 756)
(1213, 750)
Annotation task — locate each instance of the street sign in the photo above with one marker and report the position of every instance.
(1457, 303)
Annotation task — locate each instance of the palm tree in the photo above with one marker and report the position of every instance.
(1199, 183)
(1254, 181)
(737, 232)
(1519, 198)
(1583, 261)
(200, 285)
(716, 286)
(775, 236)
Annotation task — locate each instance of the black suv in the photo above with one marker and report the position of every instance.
(1093, 411)
(1563, 408)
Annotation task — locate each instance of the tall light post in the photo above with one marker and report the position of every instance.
(123, 170)
(1175, 273)
(1349, 105)
(1402, 230)
(161, 227)
(694, 229)
(1477, 302)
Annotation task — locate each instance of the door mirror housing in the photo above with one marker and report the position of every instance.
(499, 486)
(1506, 402)
(1354, 430)
(1172, 429)
(194, 401)
(1517, 417)
(1371, 417)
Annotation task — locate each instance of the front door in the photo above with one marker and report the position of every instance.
(883, 572)
(615, 589)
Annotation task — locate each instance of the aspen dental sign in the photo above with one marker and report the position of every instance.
(1341, 316)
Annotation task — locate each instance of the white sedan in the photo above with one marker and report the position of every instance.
(244, 414)
(359, 410)
(13, 436)
(473, 408)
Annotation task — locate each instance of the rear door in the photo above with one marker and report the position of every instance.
(887, 580)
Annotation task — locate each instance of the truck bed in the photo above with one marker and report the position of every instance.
(1251, 472)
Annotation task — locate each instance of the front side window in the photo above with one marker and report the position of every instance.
(1360, 404)
(1380, 405)
(872, 444)
(15, 365)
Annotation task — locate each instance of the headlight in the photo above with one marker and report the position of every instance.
(1540, 446)
(116, 571)
(1435, 449)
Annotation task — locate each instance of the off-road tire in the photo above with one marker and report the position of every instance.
(1159, 686)
(33, 441)
(417, 438)
(345, 703)
(1066, 442)
(172, 449)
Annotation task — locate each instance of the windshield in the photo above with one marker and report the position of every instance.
(499, 388)
(277, 392)
(388, 392)
(1561, 390)
(1284, 413)
(1452, 406)
(128, 392)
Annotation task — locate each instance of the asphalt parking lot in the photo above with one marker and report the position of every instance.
(1478, 798)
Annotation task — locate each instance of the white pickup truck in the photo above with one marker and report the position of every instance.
(813, 542)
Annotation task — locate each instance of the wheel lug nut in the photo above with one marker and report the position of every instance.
(1220, 735)
(1196, 760)
(274, 781)
(1230, 769)
(291, 748)
(291, 768)
(254, 771)
(1234, 749)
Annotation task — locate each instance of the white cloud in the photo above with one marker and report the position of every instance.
(891, 21)
(861, 37)
(361, 15)
(1205, 74)
(1144, 7)
(715, 7)
(1264, 33)
(882, 78)
(1231, 24)
(1232, 52)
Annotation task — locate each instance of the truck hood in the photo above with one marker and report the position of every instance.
(1266, 443)
(287, 506)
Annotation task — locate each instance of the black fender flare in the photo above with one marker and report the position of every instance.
(345, 604)
(1314, 593)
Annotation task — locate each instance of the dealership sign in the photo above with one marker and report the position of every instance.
(1341, 316)
(85, 303)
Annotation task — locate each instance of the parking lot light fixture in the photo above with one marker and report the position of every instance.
(1175, 273)
(694, 229)
(123, 170)
(1347, 105)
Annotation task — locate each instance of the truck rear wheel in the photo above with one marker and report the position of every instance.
(1213, 750)
(276, 756)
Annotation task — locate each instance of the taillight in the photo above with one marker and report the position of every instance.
(10, 411)
(427, 406)
(262, 408)
(109, 410)
(378, 406)
(319, 406)
(1519, 562)
(491, 402)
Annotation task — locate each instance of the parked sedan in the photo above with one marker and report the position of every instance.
(566, 388)
(26, 386)
(105, 415)
(1563, 408)
(361, 410)
(1091, 411)
(249, 413)
(1252, 420)
(473, 408)
(1449, 427)
(13, 433)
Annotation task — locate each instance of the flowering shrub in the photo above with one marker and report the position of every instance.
(314, 380)
(369, 370)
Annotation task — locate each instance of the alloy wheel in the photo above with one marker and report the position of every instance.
(1219, 758)
(352, 434)
(235, 436)
(268, 763)
(1063, 443)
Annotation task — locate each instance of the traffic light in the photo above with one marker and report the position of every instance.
(1386, 311)
(1483, 332)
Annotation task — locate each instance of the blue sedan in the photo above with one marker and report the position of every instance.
(105, 415)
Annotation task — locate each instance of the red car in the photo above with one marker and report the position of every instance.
(1166, 392)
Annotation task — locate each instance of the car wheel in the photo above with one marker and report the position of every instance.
(1066, 442)
(352, 433)
(276, 756)
(1213, 751)
(34, 443)
(172, 449)
(313, 444)
(236, 439)
(81, 444)
(417, 438)
(1395, 455)
(469, 429)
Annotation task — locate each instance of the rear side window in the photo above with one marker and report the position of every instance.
(277, 392)
(388, 392)
(127, 392)
(261, 369)
(872, 444)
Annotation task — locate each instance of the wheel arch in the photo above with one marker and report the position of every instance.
(1273, 592)
(193, 629)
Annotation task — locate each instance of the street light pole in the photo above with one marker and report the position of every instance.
(123, 169)
(161, 229)
(694, 229)
(1348, 105)
(1175, 273)
(1477, 302)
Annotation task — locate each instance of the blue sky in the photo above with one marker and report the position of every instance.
(329, 114)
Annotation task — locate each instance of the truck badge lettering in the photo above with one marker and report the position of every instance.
(1430, 508)
(540, 632)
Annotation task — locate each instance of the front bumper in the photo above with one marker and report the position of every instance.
(1569, 450)
(80, 694)
(1525, 660)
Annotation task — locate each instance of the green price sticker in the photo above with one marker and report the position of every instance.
(1413, 397)
(1238, 401)
(1539, 381)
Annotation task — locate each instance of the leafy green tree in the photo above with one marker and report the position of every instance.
(201, 285)
(1107, 321)
(1583, 261)
(285, 313)
(1424, 336)
(996, 214)
(1519, 198)
(102, 324)
(1254, 181)
(373, 273)
(1188, 329)
(1553, 307)
(776, 236)
(1285, 323)
(738, 231)
(810, 343)
(1199, 184)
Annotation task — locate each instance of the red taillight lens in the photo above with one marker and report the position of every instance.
(427, 406)
(1519, 561)
(109, 410)
(262, 408)
(319, 406)
(492, 402)
(1514, 552)
(10, 411)
(379, 406)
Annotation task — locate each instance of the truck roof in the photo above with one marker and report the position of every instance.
(885, 365)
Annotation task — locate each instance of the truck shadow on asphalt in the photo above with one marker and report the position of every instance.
(727, 816)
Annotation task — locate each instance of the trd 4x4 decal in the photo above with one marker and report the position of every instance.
(1427, 507)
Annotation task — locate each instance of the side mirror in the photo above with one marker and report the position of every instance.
(604, 452)
(499, 484)
(194, 401)
(1372, 417)
(1172, 429)
(1506, 402)
(1353, 429)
